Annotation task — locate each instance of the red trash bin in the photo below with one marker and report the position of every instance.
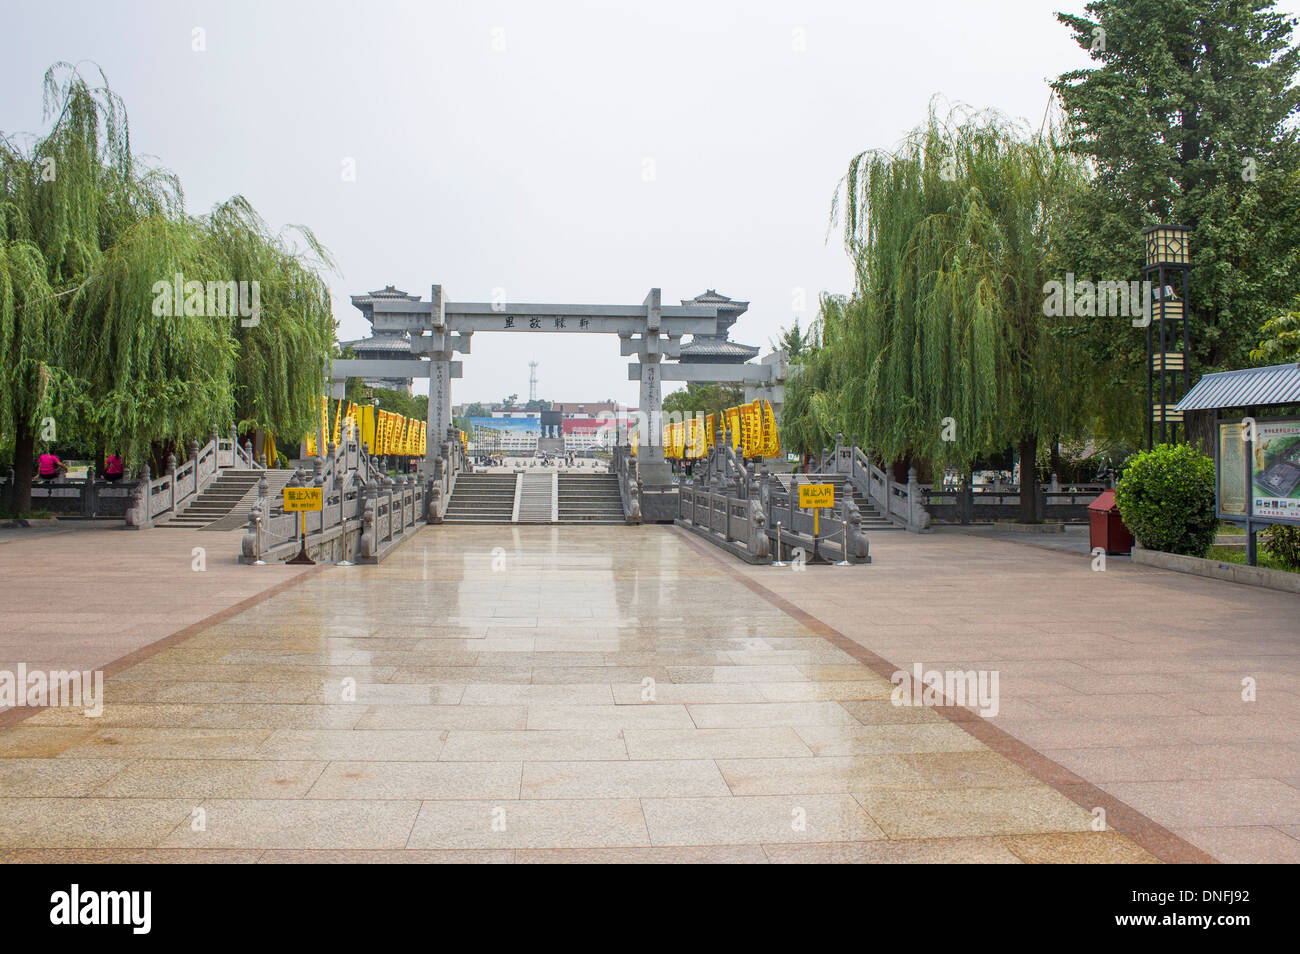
(1105, 526)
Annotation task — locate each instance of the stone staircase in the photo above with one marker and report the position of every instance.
(225, 503)
(872, 518)
(536, 498)
(482, 498)
(589, 498)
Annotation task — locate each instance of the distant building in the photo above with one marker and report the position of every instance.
(385, 345)
(584, 425)
(578, 409)
(718, 348)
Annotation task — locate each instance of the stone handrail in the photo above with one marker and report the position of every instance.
(439, 485)
(81, 496)
(365, 514)
(623, 464)
(769, 519)
(838, 529)
(734, 523)
(903, 504)
(151, 498)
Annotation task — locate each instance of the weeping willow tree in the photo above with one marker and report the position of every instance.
(88, 235)
(284, 355)
(943, 352)
(819, 388)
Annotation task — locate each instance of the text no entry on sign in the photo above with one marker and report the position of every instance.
(816, 496)
(302, 498)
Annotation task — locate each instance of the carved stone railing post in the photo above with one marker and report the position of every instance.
(88, 493)
(918, 518)
(856, 546)
(171, 472)
(434, 504)
(366, 545)
(393, 489)
(251, 544)
(137, 514)
(912, 492)
(758, 544)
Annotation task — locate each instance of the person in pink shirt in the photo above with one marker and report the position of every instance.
(50, 467)
(113, 468)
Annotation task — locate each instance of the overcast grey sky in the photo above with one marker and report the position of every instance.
(561, 151)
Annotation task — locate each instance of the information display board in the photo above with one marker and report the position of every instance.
(1275, 471)
(1257, 470)
(1233, 495)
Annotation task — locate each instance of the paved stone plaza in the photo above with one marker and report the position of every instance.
(615, 693)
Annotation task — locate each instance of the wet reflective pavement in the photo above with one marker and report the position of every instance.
(521, 694)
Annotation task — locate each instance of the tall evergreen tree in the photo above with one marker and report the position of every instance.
(1186, 119)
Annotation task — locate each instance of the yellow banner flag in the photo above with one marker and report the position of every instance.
(366, 417)
(733, 424)
(772, 442)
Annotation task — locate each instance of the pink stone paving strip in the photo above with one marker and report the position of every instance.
(609, 695)
(1121, 689)
(108, 598)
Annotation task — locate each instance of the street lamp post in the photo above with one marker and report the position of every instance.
(1167, 261)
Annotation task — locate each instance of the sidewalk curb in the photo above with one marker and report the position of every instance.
(1282, 580)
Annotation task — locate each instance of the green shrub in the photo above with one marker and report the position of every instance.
(1166, 498)
(1282, 543)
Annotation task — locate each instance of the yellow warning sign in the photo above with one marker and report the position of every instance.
(816, 496)
(302, 498)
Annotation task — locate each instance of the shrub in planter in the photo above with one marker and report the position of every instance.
(1282, 543)
(1166, 498)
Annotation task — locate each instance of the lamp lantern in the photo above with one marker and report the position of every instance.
(1167, 267)
(1167, 245)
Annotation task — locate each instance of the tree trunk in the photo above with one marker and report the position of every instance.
(158, 452)
(1029, 480)
(24, 466)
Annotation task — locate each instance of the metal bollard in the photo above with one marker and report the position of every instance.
(777, 561)
(258, 524)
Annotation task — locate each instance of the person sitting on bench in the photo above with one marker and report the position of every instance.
(49, 467)
(113, 468)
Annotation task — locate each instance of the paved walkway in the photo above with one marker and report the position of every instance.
(537, 694)
(85, 594)
(1130, 679)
